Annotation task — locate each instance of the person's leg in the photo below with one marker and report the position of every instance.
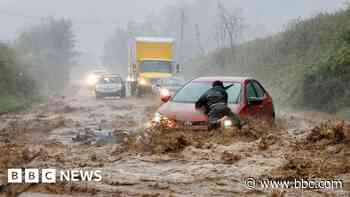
(213, 118)
(213, 126)
(234, 118)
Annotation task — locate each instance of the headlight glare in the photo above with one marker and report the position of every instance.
(164, 92)
(157, 117)
(143, 82)
(228, 124)
(91, 79)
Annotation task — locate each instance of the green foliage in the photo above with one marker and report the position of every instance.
(16, 87)
(10, 103)
(329, 81)
(42, 54)
(49, 47)
(13, 77)
(324, 43)
(307, 65)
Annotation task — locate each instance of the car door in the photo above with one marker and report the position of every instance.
(266, 108)
(254, 106)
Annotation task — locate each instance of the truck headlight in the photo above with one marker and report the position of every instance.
(227, 124)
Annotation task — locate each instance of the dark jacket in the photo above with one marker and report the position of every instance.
(212, 97)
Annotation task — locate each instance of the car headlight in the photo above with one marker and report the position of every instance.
(227, 124)
(157, 117)
(143, 82)
(164, 92)
(162, 121)
(91, 79)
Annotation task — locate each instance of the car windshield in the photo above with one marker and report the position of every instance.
(194, 90)
(173, 82)
(155, 66)
(109, 80)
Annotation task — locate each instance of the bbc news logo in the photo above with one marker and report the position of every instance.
(52, 175)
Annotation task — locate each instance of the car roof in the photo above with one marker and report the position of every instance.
(223, 78)
(111, 75)
(99, 71)
(154, 39)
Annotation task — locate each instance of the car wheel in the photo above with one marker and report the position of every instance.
(273, 118)
(122, 93)
(98, 96)
(139, 92)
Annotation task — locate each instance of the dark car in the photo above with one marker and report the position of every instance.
(247, 98)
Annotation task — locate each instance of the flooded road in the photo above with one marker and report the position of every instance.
(80, 132)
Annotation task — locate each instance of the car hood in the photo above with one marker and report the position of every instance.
(186, 111)
(172, 88)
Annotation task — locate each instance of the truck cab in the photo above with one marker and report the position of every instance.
(151, 59)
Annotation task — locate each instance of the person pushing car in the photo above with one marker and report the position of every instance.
(215, 104)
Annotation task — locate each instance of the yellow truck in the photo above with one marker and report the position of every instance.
(150, 59)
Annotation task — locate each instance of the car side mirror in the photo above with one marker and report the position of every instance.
(177, 68)
(165, 99)
(254, 101)
(134, 68)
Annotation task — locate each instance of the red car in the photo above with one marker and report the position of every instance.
(247, 98)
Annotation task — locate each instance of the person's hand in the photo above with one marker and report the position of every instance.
(201, 109)
(197, 106)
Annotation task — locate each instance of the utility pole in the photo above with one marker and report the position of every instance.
(198, 38)
(182, 24)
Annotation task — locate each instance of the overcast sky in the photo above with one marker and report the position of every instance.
(95, 20)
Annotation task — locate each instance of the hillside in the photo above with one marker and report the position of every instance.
(306, 66)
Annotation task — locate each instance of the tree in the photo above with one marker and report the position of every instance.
(14, 78)
(116, 52)
(229, 28)
(50, 46)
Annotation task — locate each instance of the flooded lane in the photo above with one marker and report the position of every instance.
(85, 133)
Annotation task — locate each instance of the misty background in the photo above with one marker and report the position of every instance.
(94, 22)
(300, 50)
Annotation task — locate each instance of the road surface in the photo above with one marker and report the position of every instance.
(80, 132)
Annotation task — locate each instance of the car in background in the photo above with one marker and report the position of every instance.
(109, 85)
(247, 98)
(168, 86)
(94, 76)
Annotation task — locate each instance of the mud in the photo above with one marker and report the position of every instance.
(111, 135)
(323, 153)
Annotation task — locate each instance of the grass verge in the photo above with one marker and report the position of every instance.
(11, 103)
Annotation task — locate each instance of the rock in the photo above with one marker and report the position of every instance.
(266, 141)
(158, 185)
(229, 157)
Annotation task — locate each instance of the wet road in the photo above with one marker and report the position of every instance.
(85, 133)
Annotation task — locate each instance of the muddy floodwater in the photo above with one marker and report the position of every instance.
(110, 135)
